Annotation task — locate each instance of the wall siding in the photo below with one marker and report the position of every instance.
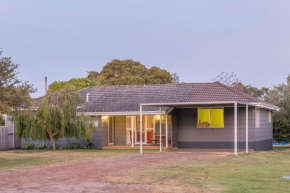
(120, 130)
(264, 134)
(188, 131)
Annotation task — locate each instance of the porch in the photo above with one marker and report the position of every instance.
(136, 147)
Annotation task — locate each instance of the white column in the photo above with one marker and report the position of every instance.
(141, 135)
(160, 130)
(132, 129)
(247, 128)
(236, 129)
(166, 130)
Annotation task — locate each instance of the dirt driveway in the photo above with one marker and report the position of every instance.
(89, 176)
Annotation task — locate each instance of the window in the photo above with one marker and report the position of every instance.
(257, 118)
(210, 118)
(129, 121)
(269, 116)
(2, 120)
(150, 122)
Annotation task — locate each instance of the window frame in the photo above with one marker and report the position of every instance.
(269, 116)
(223, 108)
(257, 118)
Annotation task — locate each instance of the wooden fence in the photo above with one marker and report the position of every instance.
(7, 138)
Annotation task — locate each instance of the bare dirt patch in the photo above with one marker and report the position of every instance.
(94, 175)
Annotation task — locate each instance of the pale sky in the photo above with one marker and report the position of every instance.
(196, 39)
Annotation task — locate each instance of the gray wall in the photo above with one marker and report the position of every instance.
(264, 134)
(191, 136)
(120, 130)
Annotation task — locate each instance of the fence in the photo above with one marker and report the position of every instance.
(7, 138)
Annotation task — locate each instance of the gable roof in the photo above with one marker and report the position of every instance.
(129, 97)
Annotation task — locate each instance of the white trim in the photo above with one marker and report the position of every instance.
(265, 106)
(236, 129)
(128, 113)
(141, 135)
(247, 129)
(160, 129)
(166, 130)
(189, 103)
(132, 129)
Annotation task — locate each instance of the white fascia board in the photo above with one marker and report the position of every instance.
(188, 103)
(126, 113)
(265, 106)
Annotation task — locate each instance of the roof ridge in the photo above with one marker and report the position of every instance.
(239, 92)
(167, 84)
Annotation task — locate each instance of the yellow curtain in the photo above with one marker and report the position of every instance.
(203, 117)
(217, 117)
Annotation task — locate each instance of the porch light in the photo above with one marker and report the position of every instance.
(104, 118)
(157, 117)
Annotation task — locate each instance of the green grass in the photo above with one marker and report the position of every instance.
(254, 172)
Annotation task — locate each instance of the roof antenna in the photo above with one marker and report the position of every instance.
(45, 79)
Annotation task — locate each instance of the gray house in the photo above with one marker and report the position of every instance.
(186, 115)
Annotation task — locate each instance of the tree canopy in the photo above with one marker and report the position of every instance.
(119, 72)
(231, 79)
(279, 95)
(130, 72)
(74, 84)
(14, 93)
(55, 118)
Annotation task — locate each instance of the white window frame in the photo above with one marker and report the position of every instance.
(128, 129)
(257, 117)
(270, 116)
(210, 117)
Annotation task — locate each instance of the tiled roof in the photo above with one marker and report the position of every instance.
(128, 97)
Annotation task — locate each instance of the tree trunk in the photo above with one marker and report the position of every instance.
(51, 139)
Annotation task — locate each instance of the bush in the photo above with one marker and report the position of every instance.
(75, 145)
(42, 146)
(56, 146)
(29, 146)
(67, 146)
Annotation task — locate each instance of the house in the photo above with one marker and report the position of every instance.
(186, 115)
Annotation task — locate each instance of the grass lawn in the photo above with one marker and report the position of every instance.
(254, 172)
(19, 159)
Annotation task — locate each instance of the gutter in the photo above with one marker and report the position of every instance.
(121, 113)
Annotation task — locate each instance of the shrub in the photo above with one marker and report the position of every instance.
(67, 146)
(29, 146)
(56, 146)
(75, 145)
(42, 146)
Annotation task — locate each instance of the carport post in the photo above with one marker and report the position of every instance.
(236, 129)
(141, 120)
(247, 128)
(160, 130)
(166, 130)
(132, 129)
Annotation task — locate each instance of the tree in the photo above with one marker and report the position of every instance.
(55, 118)
(129, 72)
(74, 83)
(279, 95)
(13, 92)
(175, 78)
(232, 80)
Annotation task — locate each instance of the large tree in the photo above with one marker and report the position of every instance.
(231, 79)
(130, 72)
(74, 83)
(14, 93)
(280, 96)
(55, 118)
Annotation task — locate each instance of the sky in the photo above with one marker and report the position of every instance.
(195, 39)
